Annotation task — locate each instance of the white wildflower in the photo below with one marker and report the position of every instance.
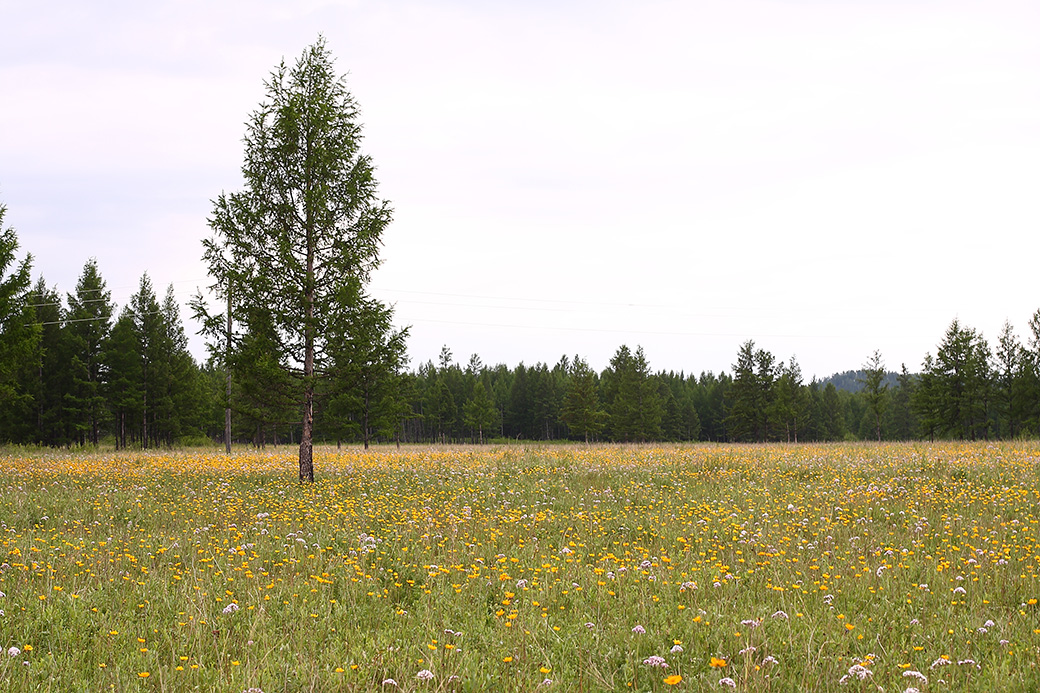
(590, 625)
(770, 660)
(638, 630)
(728, 682)
(941, 662)
(750, 649)
(959, 590)
(230, 608)
(782, 615)
(13, 652)
(655, 661)
(389, 682)
(860, 672)
(911, 674)
(424, 675)
(676, 649)
(545, 682)
(751, 623)
(1004, 643)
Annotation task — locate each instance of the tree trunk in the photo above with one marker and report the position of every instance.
(306, 442)
(227, 365)
(306, 435)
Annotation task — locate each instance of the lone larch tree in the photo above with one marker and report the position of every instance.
(298, 244)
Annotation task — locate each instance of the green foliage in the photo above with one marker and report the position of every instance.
(632, 398)
(582, 411)
(301, 240)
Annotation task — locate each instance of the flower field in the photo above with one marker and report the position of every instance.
(749, 568)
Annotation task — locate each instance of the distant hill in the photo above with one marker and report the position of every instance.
(850, 380)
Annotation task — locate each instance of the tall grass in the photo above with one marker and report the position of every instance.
(771, 568)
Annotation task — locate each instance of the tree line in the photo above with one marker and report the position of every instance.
(78, 370)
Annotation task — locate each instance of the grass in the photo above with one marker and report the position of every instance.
(775, 568)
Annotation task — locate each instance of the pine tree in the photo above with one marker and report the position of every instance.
(581, 407)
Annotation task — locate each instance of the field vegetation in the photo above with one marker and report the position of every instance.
(507, 568)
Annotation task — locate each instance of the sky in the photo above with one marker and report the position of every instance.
(825, 178)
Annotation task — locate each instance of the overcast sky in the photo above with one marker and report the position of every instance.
(824, 177)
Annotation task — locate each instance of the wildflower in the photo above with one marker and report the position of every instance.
(590, 625)
(230, 608)
(389, 682)
(655, 661)
(13, 652)
(425, 675)
(989, 624)
(252, 690)
(941, 662)
(969, 662)
(545, 682)
(717, 662)
(750, 649)
(751, 623)
(782, 615)
(770, 660)
(728, 682)
(638, 630)
(959, 590)
(911, 674)
(676, 649)
(860, 672)
(673, 679)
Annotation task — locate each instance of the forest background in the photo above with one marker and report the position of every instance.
(75, 371)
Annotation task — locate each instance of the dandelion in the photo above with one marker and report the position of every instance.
(717, 662)
(673, 679)
(424, 675)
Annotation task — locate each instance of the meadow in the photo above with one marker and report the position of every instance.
(695, 568)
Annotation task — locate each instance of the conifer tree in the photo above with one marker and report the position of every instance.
(302, 238)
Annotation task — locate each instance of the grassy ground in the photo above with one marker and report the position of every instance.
(768, 568)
